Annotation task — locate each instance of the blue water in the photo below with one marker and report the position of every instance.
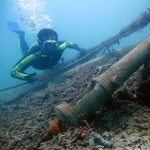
(84, 22)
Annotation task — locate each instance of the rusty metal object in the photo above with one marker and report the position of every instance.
(105, 85)
(99, 91)
(54, 129)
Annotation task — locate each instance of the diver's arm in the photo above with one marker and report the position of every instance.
(64, 45)
(18, 70)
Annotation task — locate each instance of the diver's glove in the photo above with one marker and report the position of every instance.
(82, 51)
(30, 78)
(42, 77)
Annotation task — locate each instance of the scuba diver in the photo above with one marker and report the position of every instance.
(42, 55)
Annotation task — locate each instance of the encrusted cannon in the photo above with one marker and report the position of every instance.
(99, 91)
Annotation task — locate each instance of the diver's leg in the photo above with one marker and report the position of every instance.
(22, 43)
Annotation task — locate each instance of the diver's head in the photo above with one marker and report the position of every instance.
(47, 39)
(47, 34)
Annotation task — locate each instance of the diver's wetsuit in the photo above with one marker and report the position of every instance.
(35, 59)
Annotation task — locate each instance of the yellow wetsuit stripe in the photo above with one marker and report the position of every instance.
(19, 43)
(32, 46)
(16, 70)
(67, 44)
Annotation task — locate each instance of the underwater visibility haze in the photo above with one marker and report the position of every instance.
(86, 23)
(100, 104)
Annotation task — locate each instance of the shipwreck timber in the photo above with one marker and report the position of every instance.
(135, 26)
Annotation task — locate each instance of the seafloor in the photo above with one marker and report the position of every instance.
(123, 123)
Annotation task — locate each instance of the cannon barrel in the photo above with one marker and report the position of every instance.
(99, 91)
(105, 85)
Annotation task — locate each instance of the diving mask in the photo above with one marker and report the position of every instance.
(48, 43)
(48, 48)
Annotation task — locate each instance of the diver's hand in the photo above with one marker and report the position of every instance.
(41, 77)
(82, 51)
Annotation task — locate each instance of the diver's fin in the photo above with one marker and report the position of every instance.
(14, 26)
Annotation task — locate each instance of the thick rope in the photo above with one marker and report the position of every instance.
(14, 86)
